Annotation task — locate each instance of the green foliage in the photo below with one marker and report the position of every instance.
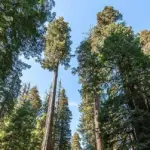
(16, 133)
(116, 125)
(117, 45)
(88, 67)
(34, 97)
(21, 33)
(9, 88)
(19, 30)
(88, 77)
(113, 65)
(92, 74)
(21, 129)
(86, 126)
(108, 16)
(76, 142)
(38, 132)
(113, 68)
(62, 123)
(57, 50)
(31, 95)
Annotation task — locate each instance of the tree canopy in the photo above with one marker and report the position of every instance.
(113, 67)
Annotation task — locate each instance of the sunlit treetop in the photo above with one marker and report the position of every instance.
(108, 16)
(57, 48)
(34, 97)
(145, 41)
(76, 142)
(114, 38)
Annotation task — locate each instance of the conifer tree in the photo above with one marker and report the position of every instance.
(17, 128)
(16, 133)
(62, 128)
(110, 61)
(57, 51)
(117, 45)
(38, 131)
(91, 77)
(34, 98)
(86, 125)
(76, 142)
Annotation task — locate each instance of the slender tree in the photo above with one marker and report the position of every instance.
(56, 119)
(39, 130)
(91, 77)
(34, 98)
(62, 128)
(57, 51)
(76, 142)
(86, 126)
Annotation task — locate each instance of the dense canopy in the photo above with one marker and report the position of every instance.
(113, 68)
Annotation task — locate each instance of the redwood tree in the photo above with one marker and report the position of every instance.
(57, 51)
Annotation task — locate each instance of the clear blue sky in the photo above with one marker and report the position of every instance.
(81, 15)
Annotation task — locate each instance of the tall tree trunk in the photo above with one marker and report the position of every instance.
(47, 141)
(56, 118)
(97, 129)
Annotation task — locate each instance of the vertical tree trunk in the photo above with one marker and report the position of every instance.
(56, 118)
(47, 140)
(97, 129)
(131, 137)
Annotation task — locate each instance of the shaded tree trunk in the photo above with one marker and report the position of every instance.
(47, 140)
(55, 134)
(97, 129)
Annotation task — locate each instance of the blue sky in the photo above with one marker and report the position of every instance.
(81, 15)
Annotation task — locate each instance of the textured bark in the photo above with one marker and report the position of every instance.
(97, 129)
(47, 141)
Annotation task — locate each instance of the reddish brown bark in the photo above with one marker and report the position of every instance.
(47, 140)
(97, 129)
